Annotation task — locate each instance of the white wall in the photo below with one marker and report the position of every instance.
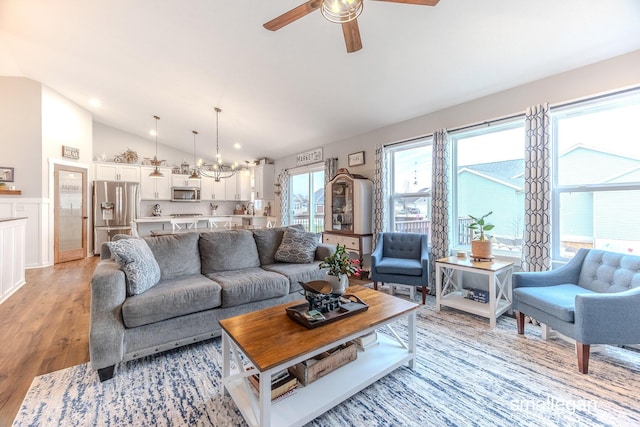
(20, 133)
(606, 76)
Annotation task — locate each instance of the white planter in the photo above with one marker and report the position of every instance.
(339, 284)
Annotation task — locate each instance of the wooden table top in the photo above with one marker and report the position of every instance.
(269, 337)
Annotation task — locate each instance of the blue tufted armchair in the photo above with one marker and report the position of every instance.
(594, 299)
(401, 258)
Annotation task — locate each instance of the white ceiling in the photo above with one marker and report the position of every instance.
(295, 89)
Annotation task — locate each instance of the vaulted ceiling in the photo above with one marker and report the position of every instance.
(294, 89)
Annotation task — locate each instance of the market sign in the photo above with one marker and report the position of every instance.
(308, 157)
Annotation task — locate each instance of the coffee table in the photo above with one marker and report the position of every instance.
(271, 341)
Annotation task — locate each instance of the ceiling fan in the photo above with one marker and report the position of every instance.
(344, 12)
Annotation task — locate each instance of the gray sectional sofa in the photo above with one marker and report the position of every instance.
(203, 277)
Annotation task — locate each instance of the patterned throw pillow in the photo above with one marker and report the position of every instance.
(297, 246)
(136, 260)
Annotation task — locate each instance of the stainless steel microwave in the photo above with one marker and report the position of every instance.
(185, 194)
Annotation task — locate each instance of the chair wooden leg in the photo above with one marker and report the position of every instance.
(424, 295)
(375, 286)
(520, 322)
(583, 357)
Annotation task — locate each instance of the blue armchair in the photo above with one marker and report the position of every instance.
(401, 258)
(594, 299)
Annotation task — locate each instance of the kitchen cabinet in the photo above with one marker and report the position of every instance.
(155, 188)
(180, 180)
(263, 180)
(348, 204)
(116, 172)
(238, 187)
(212, 190)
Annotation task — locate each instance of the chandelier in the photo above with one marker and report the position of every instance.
(155, 162)
(218, 170)
(341, 11)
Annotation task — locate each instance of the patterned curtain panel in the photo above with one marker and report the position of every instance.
(283, 179)
(439, 202)
(380, 193)
(536, 251)
(330, 169)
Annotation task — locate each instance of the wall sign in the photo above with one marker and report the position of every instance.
(307, 157)
(356, 159)
(70, 152)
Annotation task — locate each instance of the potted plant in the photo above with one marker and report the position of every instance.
(340, 266)
(480, 244)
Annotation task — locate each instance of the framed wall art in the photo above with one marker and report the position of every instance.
(6, 174)
(356, 159)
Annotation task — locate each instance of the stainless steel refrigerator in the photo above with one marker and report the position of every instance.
(115, 205)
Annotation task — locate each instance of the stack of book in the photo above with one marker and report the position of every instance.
(282, 384)
(366, 341)
(477, 295)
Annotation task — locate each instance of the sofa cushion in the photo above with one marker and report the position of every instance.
(249, 285)
(227, 250)
(401, 245)
(268, 241)
(297, 247)
(557, 300)
(171, 298)
(135, 258)
(604, 271)
(404, 266)
(177, 254)
(298, 273)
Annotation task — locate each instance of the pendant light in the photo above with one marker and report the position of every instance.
(194, 172)
(155, 162)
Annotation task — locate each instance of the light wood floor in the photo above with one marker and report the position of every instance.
(44, 327)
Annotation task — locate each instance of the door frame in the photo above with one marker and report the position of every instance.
(85, 188)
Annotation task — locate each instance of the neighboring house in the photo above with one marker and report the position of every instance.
(585, 217)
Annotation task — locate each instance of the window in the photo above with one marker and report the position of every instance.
(597, 176)
(307, 200)
(489, 165)
(410, 172)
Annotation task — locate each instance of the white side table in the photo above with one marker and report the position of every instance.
(450, 292)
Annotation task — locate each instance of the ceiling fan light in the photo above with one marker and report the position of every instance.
(341, 11)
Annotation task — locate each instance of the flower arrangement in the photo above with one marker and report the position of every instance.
(340, 263)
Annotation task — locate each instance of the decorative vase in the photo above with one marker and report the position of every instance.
(339, 283)
(481, 249)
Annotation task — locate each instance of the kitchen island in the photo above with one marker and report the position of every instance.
(166, 224)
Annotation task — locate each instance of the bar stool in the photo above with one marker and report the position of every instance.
(184, 224)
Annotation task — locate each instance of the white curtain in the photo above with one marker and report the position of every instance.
(536, 251)
(439, 201)
(283, 180)
(380, 193)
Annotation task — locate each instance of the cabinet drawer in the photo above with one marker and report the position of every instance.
(349, 241)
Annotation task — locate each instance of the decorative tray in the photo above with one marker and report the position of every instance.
(349, 305)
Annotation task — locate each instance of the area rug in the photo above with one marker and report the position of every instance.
(467, 374)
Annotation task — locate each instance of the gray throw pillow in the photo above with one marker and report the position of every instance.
(297, 247)
(136, 260)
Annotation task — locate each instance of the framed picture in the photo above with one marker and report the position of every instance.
(356, 159)
(6, 174)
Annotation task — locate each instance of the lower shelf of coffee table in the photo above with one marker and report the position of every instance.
(309, 402)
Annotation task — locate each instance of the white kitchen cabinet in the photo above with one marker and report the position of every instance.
(238, 187)
(155, 188)
(116, 172)
(263, 180)
(179, 180)
(212, 190)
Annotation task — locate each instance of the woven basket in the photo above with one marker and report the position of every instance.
(481, 249)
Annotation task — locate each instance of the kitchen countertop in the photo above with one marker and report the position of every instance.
(167, 218)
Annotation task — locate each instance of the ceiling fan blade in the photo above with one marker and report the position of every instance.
(418, 2)
(293, 15)
(351, 33)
